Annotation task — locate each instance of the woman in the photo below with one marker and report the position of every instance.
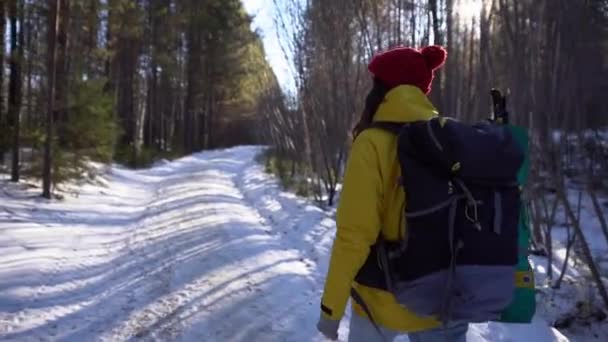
(372, 201)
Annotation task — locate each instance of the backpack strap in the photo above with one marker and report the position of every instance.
(388, 126)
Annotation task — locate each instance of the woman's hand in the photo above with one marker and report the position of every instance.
(328, 327)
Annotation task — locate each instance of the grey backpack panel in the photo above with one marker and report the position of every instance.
(471, 294)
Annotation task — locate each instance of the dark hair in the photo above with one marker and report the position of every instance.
(372, 102)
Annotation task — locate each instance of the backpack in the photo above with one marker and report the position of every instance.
(458, 257)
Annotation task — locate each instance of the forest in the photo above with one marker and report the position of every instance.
(133, 81)
(121, 80)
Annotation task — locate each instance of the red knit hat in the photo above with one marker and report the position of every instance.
(403, 65)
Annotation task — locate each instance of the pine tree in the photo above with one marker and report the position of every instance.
(53, 23)
(14, 99)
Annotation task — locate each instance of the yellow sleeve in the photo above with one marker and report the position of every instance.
(358, 225)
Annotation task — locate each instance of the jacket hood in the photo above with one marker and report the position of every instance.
(405, 103)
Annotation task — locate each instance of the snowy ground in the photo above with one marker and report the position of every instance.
(206, 248)
(576, 303)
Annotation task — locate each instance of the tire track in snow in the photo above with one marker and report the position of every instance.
(153, 321)
(166, 324)
(143, 259)
(184, 305)
(136, 323)
(273, 308)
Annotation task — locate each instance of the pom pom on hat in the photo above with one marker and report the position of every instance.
(408, 66)
(435, 56)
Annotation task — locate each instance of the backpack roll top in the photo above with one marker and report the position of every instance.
(477, 153)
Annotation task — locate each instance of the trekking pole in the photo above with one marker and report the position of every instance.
(500, 115)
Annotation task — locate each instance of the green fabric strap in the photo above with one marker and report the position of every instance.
(523, 306)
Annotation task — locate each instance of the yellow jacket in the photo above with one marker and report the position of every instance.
(373, 201)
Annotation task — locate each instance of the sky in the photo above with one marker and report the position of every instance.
(263, 12)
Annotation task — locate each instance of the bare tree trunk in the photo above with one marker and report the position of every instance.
(537, 235)
(399, 25)
(53, 27)
(598, 211)
(62, 79)
(470, 76)
(448, 92)
(127, 38)
(377, 21)
(413, 26)
(569, 242)
(547, 239)
(30, 42)
(156, 12)
(193, 75)
(438, 40)
(14, 101)
(3, 121)
(550, 222)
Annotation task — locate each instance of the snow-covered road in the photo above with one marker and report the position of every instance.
(205, 248)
